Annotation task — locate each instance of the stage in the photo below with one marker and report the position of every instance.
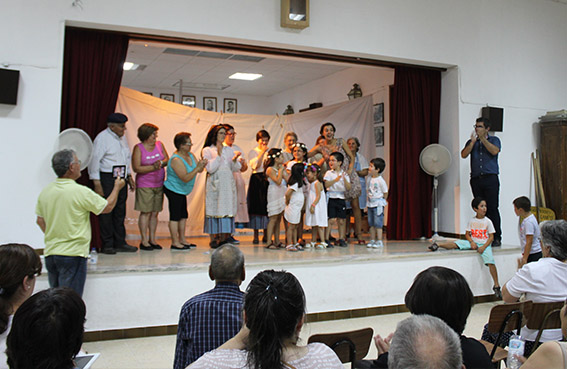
(138, 294)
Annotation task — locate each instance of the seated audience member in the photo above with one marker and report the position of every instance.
(542, 281)
(425, 342)
(274, 312)
(19, 265)
(47, 331)
(551, 354)
(210, 319)
(445, 294)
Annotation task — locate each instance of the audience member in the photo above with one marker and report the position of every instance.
(19, 265)
(63, 214)
(47, 331)
(425, 342)
(208, 320)
(274, 312)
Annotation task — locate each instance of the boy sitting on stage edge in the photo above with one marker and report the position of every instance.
(479, 236)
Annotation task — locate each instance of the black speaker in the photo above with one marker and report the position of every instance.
(495, 116)
(9, 81)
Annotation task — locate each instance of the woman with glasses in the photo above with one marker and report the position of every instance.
(182, 169)
(19, 265)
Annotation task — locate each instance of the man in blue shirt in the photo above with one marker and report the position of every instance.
(484, 150)
(210, 319)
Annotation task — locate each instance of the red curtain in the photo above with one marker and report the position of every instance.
(414, 124)
(92, 73)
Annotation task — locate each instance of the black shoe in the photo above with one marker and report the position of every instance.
(331, 238)
(146, 248)
(214, 244)
(189, 245)
(343, 243)
(173, 247)
(433, 247)
(155, 246)
(497, 292)
(126, 248)
(329, 244)
(233, 240)
(496, 243)
(108, 251)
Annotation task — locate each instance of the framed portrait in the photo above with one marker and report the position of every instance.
(210, 103)
(230, 106)
(168, 97)
(149, 93)
(379, 135)
(189, 100)
(379, 113)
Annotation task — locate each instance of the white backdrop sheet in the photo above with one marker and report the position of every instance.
(351, 118)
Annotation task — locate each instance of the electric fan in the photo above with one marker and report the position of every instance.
(435, 159)
(77, 140)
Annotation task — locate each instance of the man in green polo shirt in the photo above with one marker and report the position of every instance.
(63, 214)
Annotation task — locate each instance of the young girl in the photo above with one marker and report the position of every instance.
(294, 200)
(299, 151)
(316, 212)
(275, 172)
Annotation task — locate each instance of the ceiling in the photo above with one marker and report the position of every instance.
(166, 64)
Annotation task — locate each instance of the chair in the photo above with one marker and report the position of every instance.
(505, 318)
(349, 346)
(544, 315)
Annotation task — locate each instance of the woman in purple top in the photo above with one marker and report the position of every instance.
(148, 159)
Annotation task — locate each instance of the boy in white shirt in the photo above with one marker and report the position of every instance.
(377, 191)
(528, 230)
(336, 183)
(479, 236)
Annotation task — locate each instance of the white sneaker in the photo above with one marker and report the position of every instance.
(321, 245)
(379, 243)
(371, 244)
(309, 245)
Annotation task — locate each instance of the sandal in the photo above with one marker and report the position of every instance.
(272, 246)
(299, 247)
(291, 248)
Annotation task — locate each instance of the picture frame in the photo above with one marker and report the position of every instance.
(209, 103)
(294, 14)
(379, 135)
(189, 100)
(168, 97)
(230, 106)
(379, 113)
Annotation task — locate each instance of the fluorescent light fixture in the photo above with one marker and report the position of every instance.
(245, 76)
(132, 66)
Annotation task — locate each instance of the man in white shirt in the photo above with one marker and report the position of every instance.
(111, 150)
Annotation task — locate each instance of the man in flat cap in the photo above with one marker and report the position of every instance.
(111, 157)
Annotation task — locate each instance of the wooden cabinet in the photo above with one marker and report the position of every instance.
(553, 149)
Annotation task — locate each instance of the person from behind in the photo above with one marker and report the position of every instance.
(424, 342)
(274, 313)
(377, 191)
(316, 207)
(210, 319)
(337, 182)
(479, 236)
(294, 200)
(47, 332)
(528, 231)
(19, 265)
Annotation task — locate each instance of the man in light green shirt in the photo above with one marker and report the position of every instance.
(63, 214)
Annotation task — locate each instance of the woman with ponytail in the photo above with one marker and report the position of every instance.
(19, 265)
(274, 312)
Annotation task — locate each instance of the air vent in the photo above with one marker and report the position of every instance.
(202, 86)
(249, 58)
(171, 50)
(208, 54)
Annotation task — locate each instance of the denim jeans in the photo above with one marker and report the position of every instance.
(67, 271)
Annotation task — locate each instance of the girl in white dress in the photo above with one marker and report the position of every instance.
(316, 206)
(294, 200)
(275, 172)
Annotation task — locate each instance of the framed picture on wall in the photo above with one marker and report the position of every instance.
(379, 135)
(379, 113)
(189, 100)
(230, 106)
(210, 103)
(168, 97)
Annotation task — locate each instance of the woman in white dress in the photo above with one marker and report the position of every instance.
(220, 189)
(274, 313)
(19, 265)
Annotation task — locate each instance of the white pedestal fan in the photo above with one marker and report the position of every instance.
(77, 140)
(435, 159)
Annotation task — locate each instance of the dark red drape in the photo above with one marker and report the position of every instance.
(414, 124)
(92, 72)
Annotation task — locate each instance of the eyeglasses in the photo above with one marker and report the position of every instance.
(77, 162)
(475, 126)
(189, 143)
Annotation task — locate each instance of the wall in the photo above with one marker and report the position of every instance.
(510, 53)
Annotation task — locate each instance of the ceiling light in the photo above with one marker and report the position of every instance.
(245, 76)
(133, 66)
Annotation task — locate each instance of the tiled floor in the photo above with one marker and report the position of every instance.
(158, 352)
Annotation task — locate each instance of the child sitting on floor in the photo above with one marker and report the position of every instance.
(479, 236)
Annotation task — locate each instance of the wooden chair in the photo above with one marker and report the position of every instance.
(505, 318)
(349, 346)
(544, 315)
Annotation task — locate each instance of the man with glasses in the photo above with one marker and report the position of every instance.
(484, 150)
(63, 214)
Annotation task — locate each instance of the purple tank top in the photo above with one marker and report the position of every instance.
(155, 178)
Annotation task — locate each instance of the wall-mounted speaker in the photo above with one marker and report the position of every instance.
(495, 116)
(9, 81)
